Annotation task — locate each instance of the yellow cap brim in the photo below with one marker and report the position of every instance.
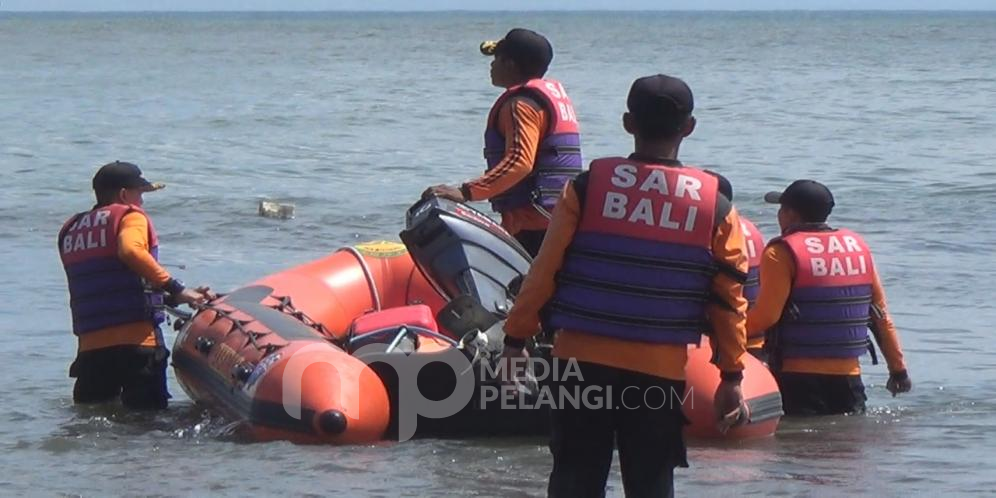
(154, 186)
(488, 47)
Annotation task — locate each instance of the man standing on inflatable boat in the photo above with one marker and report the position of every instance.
(643, 254)
(819, 295)
(116, 290)
(531, 143)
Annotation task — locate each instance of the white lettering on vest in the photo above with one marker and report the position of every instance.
(690, 218)
(835, 245)
(624, 176)
(644, 212)
(836, 267)
(656, 180)
(852, 261)
(819, 266)
(852, 244)
(84, 221)
(751, 246)
(615, 206)
(666, 221)
(851, 265)
(554, 91)
(91, 239)
(101, 218)
(559, 95)
(814, 245)
(79, 244)
(688, 185)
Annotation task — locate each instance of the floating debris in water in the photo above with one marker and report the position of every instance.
(272, 209)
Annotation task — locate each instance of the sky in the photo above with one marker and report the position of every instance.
(408, 5)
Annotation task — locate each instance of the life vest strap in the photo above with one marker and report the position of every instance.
(834, 300)
(834, 321)
(563, 149)
(635, 290)
(647, 261)
(556, 171)
(654, 323)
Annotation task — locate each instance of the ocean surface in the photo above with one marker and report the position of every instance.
(351, 116)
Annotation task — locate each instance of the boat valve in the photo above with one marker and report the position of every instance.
(203, 345)
(241, 372)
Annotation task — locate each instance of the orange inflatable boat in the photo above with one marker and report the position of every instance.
(312, 354)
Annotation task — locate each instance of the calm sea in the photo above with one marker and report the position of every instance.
(351, 116)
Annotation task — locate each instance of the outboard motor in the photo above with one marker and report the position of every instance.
(463, 252)
(478, 267)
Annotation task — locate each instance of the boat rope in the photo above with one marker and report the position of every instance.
(375, 296)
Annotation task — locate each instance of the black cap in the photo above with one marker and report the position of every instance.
(118, 174)
(530, 50)
(810, 198)
(660, 102)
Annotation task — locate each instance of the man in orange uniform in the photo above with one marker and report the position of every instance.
(116, 289)
(819, 294)
(532, 143)
(643, 254)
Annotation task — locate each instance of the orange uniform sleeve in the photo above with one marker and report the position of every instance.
(133, 249)
(777, 272)
(522, 122)
(539, 284)
(729, 331)
(886, 336)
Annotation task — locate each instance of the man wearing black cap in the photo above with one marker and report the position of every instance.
(642, 256)
(532, 144)
(819, 295)
(116, 288)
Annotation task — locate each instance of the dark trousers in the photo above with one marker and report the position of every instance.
(819, 394)
(642, 418)
(531, 240)
(135, 373)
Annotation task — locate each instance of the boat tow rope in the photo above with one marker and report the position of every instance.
(284, 305)
(375, 296)
(239, 325)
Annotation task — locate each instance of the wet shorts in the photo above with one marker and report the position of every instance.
(819, 394)
(135, 373)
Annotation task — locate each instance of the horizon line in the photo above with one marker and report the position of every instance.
(481, 11)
